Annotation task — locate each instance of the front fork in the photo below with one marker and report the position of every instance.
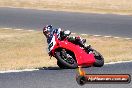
(64, 53)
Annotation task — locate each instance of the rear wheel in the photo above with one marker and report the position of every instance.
(99, 58)
(65, 59)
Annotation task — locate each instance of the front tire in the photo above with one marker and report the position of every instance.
(63, 63)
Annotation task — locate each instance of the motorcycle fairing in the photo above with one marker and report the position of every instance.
(82, 57)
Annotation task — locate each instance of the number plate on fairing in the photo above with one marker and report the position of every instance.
(51, 44)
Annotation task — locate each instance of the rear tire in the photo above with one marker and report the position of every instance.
(99, 58)
(62, 63)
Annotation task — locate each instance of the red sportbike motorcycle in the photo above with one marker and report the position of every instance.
(70, 55)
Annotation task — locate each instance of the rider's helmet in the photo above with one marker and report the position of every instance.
(46, 30)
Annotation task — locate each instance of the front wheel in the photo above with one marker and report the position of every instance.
(66, 59)
(61, 65)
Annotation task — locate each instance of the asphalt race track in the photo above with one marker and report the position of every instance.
(57, 78)
(53, 77)
(114, 25)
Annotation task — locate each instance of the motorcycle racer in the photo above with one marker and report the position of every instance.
(70, 52)
(48, 31)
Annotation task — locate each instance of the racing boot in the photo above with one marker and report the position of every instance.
(82, 42)
(87, 47)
